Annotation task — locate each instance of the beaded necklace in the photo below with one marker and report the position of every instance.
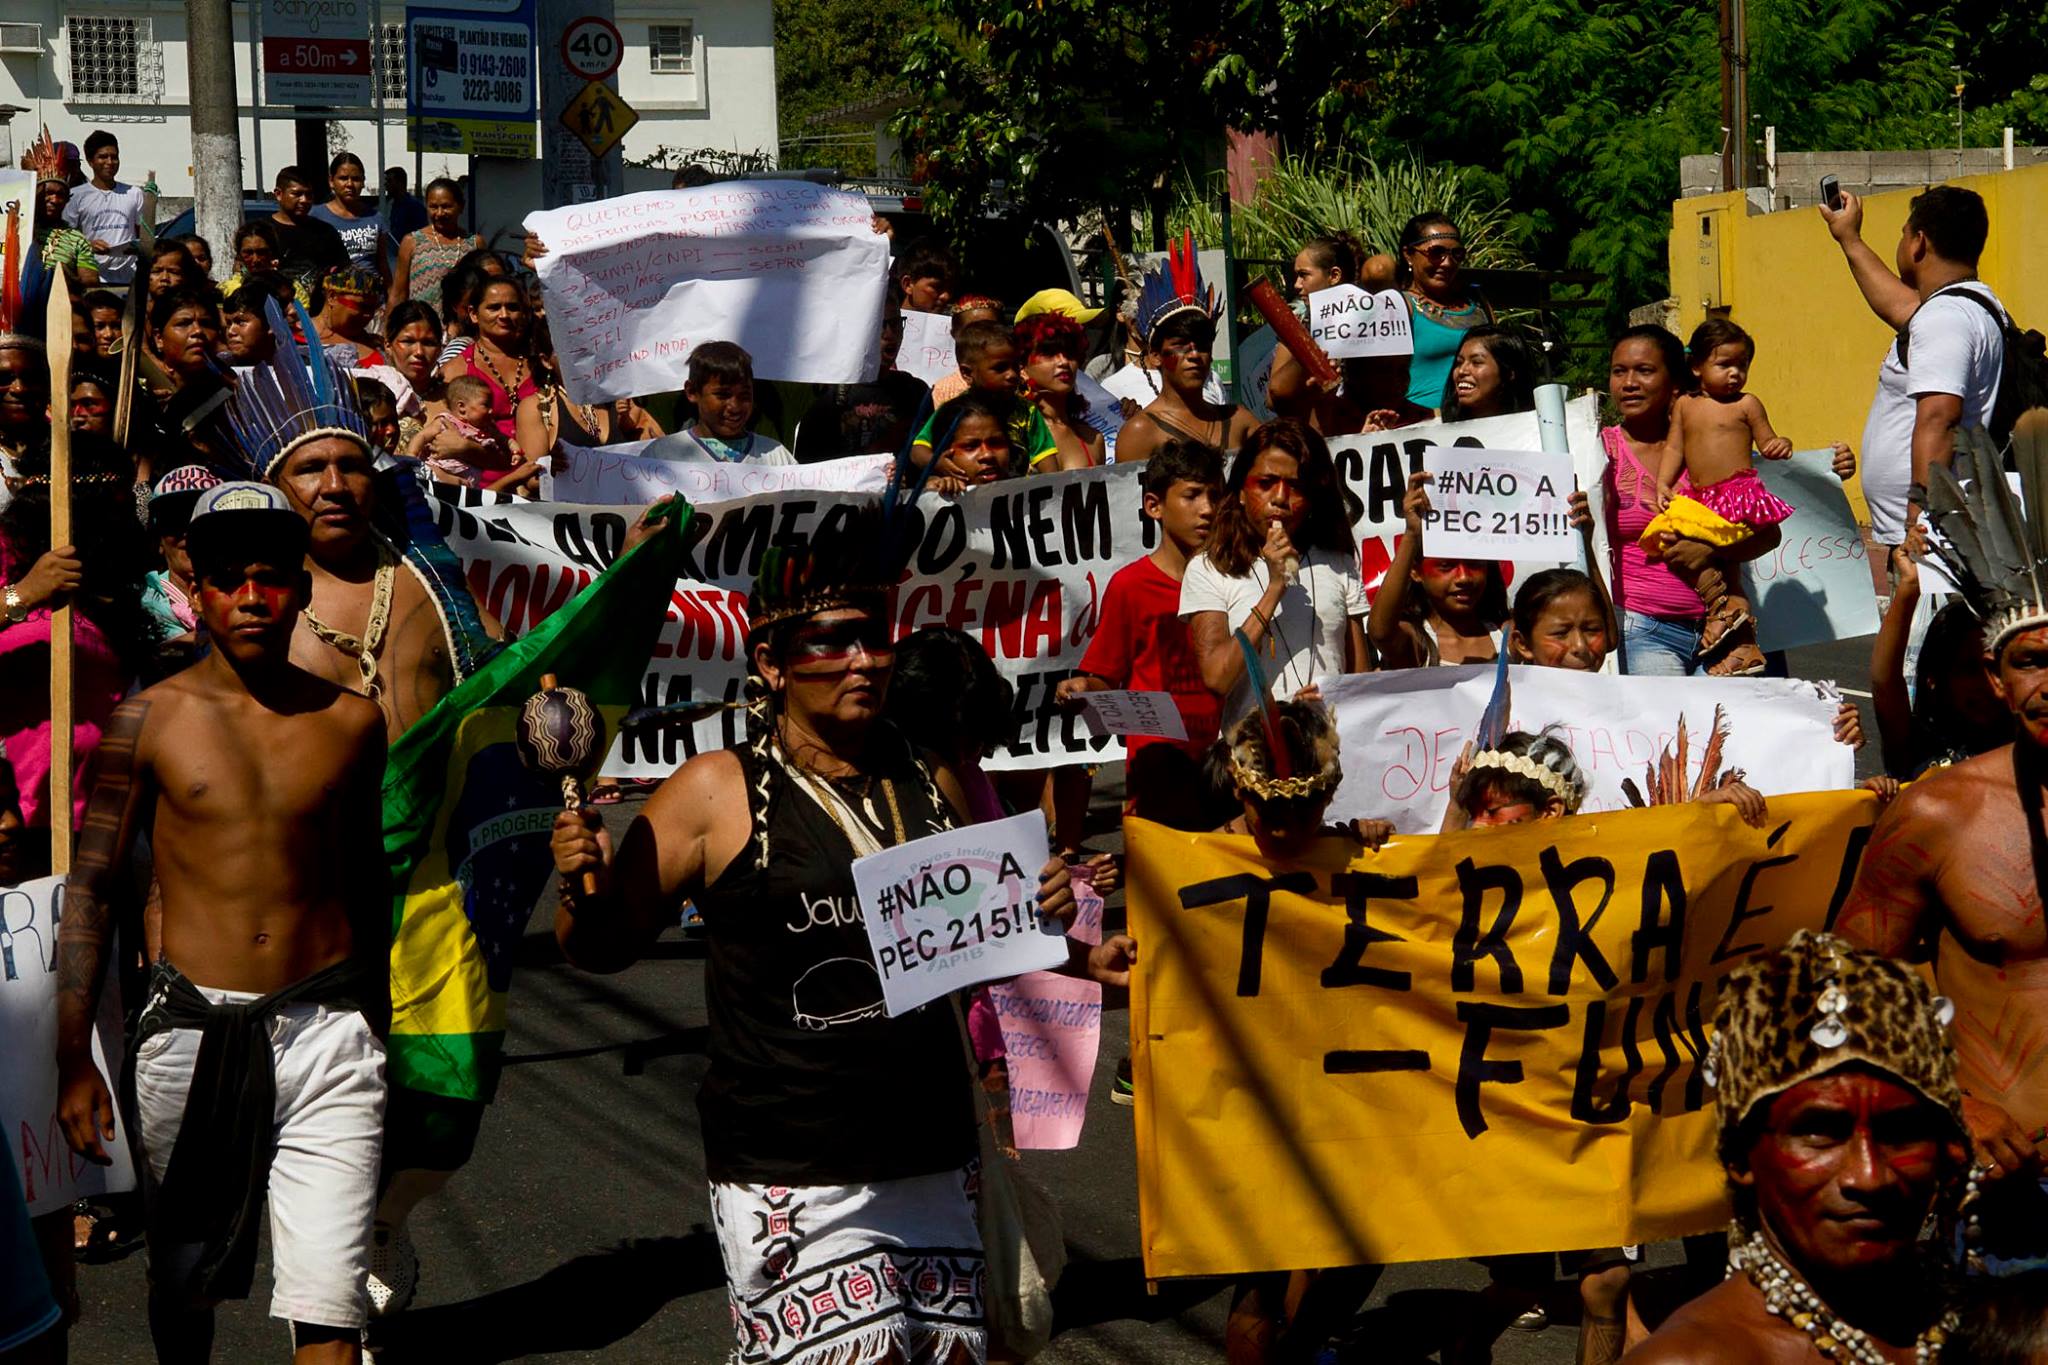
(1787, 1295)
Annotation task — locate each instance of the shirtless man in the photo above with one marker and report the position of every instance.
(372, 626)
(1953, 872)
(260, 1062)
(1182, 348)
(1841, 1133)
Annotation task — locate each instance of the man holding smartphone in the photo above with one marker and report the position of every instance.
(1942, 370)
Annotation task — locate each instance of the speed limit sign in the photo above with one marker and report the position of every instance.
(592, 48)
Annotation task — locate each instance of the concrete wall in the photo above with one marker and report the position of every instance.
(1862, 173)
(1783, 278)
(727, 103)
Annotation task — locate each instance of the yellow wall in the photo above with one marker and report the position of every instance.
(1783, 278)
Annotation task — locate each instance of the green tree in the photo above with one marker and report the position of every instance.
(830, 54)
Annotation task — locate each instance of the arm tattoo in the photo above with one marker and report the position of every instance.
(88, 893)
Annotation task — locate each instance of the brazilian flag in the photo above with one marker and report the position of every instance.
(467, 825)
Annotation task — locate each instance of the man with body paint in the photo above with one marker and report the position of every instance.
(259, 1061)
(1842, 1134)
(1955, 872)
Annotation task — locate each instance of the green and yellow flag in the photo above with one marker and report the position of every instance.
(467, 825)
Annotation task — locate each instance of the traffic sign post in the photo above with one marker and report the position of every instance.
(316, 53)
(599, 118)
(592, 48)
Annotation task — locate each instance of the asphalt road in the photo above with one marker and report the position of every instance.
(580, 1231)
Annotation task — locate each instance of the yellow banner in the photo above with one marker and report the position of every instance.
(1464, 1045)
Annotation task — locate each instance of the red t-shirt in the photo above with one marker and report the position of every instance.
(1141, 643)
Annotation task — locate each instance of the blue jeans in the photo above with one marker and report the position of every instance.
(1656, 647)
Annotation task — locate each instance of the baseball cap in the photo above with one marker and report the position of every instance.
(250, 517)
(176, 492)
(1057, 301)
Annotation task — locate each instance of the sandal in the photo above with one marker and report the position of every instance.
(99, 1233)
(1727, 615)
(1743, 660)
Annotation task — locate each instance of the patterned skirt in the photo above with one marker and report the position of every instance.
(851, 1274)
(1742, 497)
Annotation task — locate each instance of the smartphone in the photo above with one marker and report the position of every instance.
(1831, 193)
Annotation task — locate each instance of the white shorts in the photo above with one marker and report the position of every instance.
(329, 1140)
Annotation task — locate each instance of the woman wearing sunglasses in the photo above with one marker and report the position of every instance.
(1442, 303)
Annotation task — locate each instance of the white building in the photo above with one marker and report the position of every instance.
(700, 73)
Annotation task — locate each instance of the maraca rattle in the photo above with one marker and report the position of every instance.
(560, 732)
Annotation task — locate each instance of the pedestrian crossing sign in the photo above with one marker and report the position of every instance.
(599, 117)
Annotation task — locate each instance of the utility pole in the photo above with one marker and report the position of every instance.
(216, 133)
(1735, 157)
(1957, 68)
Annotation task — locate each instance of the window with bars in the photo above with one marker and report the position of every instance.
(671, 49)
(391, 61)
(111, 57)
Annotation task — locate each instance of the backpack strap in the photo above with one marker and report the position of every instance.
(1957, 290)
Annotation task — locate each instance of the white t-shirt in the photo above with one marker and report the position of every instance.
(1955, 348)
(753, 448)
(1305, 639)
(108, 216)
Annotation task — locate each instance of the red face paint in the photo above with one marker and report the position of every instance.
(1847, 1168)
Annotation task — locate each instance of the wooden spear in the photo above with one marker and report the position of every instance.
(57, 337)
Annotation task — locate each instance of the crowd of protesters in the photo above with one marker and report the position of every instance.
(242, 562)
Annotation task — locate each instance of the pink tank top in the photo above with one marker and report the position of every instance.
(1641, 584)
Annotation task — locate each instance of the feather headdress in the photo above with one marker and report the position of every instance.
(294, 397)
(1176, 288)
(1273, 774)
(1668, 778)
(1995, 549)
(51, 161)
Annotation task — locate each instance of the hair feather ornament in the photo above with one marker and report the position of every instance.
(1996, 552)
(1175, 288)
(1283, 766)
(1667, 779)
(51, 161)
(292, 398)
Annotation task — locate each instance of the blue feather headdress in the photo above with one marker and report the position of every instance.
(1175, 288)
(294, 397)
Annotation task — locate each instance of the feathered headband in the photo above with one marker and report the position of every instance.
(1995, 549)
(51, 161)
(1176, 288)
(1557, 783)
(1492, 732)
(1282, 782)
(292, 398)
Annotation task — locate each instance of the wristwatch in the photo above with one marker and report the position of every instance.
(16, 612)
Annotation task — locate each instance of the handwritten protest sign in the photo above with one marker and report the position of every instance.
(1401, 731)
(52, 1175)
(638, 473)
(1052, 1029)
(1020, 565)
(1134, 713)
(1499, 504)
(927, 349)
(1503, 1025)
(794, 272)
(1816, 586)
(1350, 323)
(956, 909)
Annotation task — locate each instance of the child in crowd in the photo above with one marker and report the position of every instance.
(1456, 616)
(171, 594)
(966, 312)
(1141, 642)
(459, 444)
(380, 410)
(721, 386)
(1953, 711)
(1563, 619)
(94, 396)
(103, 307)
(1524, 777)
(988, 357)
(1707, 487)
(1053, 346)
(974, 444)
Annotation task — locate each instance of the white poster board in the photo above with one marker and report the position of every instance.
(927, 350)
(957, 908)
(1350, 323)
(791, 271)
(1134, 713)
(636, 473)
(1499, 504)
(1400, 732)
(52, 1175)
(1816, 586)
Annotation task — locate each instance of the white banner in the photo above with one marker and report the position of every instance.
(1020, 565)
(52, 1175)
(955, 909)
(1499, 504)
(1349, 323)
(635, 474)
(1400, 732)
(794, 272)
(927, 350)
(1816, 586)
